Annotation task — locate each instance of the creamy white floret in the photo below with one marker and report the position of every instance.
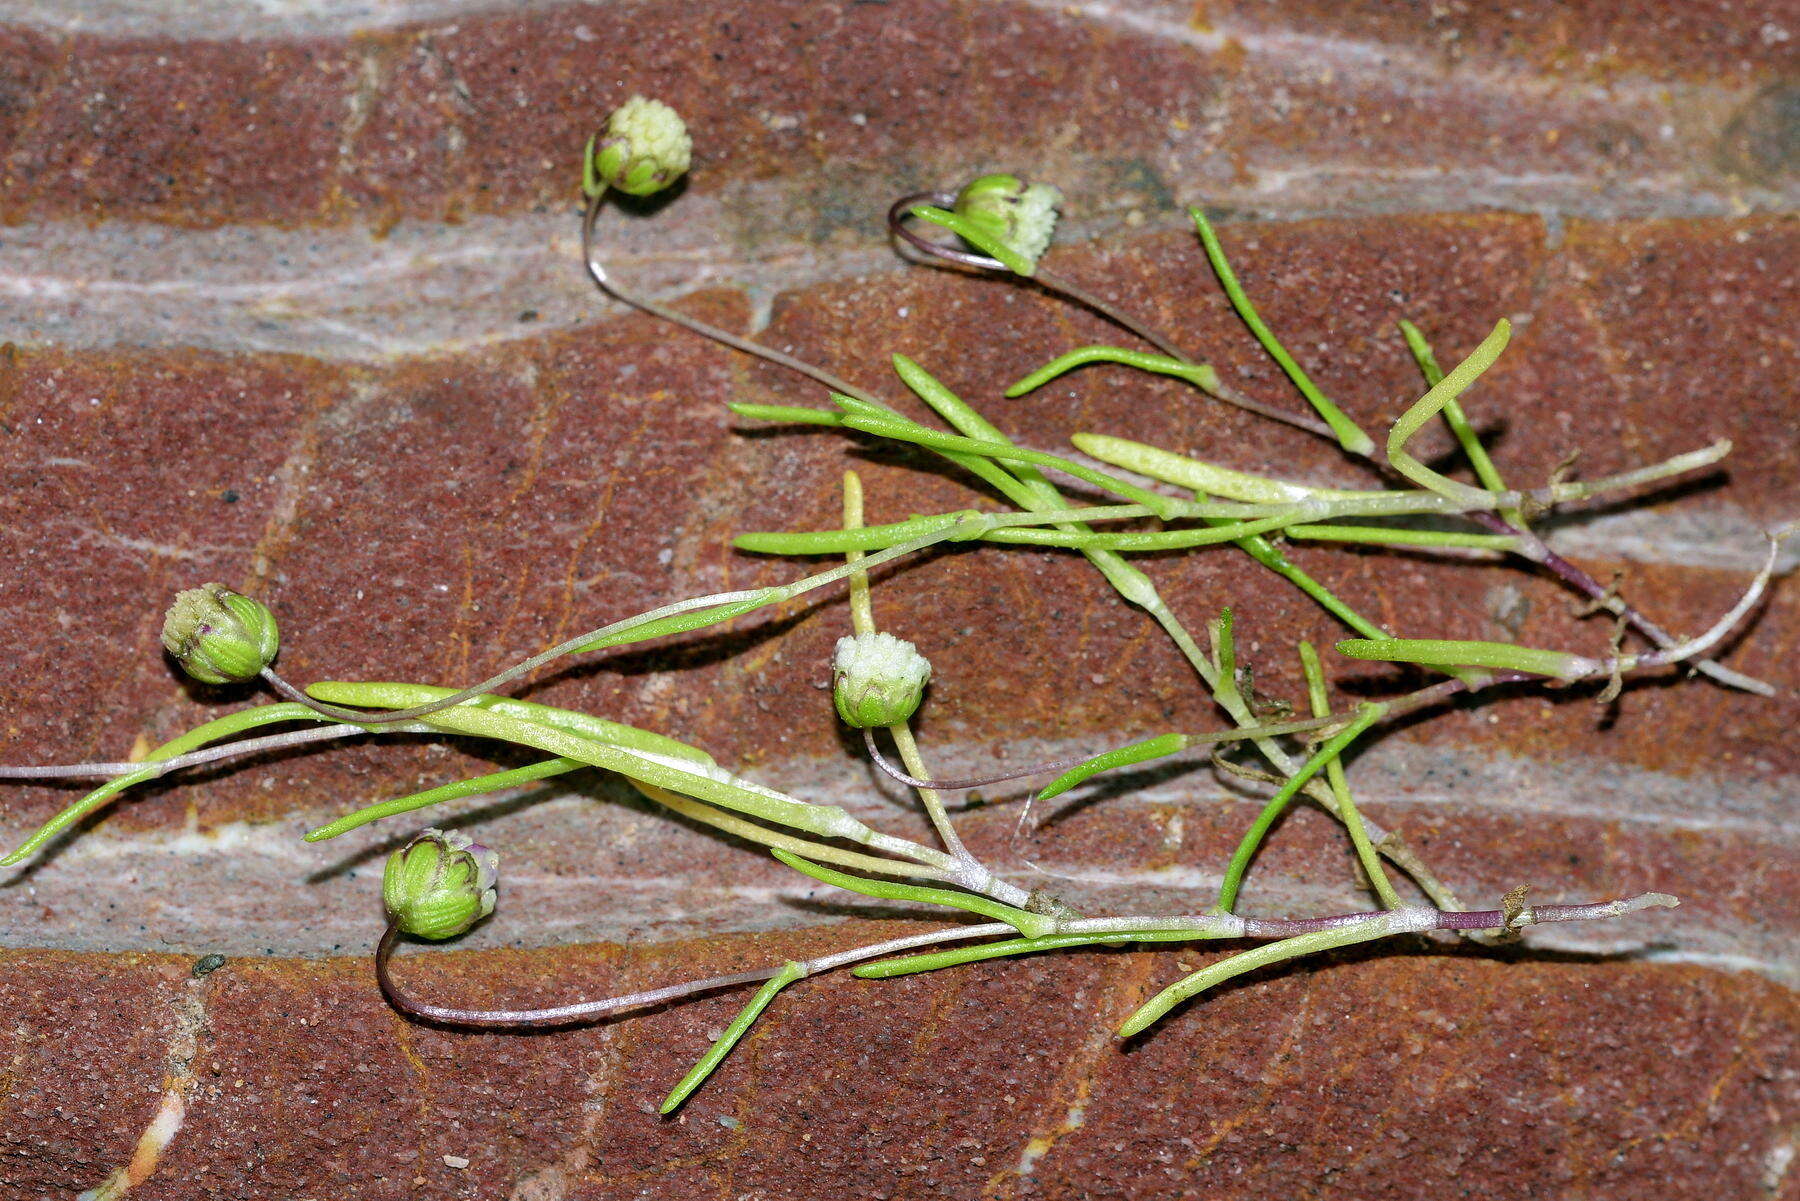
(652, 130)
(1034, 220)
(866, 658)
(877, 679)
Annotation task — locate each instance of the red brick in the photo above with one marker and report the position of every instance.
(85, 1039)
(1599, 43)
(124, 478)
(1572, 1078)
(1654, 337)
(195, 132)
(486, 113)
(1374, 1073)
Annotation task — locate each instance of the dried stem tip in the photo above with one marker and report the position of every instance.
(645, 148)
(438, 885)
(219, 636)
(877, 680)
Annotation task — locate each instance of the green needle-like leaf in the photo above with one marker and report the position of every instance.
(1237, 965)
(1246, 849)
(907, 965)
(1428, 406)
(1340, 786)
(475, 786)
(905, 431)
(740, 1026)
(975, 235)
(1198, 374)
(1437, 652)
(1466, 437)
(1031, 925)
(1125, 756)
(1352, 438)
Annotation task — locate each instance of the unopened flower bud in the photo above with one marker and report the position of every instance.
(220, 636)
(1020, 215)
(877, 680)
(439, 884)
(644, 149)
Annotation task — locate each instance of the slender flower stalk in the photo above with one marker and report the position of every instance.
(1065, 933)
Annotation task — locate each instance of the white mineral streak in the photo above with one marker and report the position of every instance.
(171, 1111)
(606, 866)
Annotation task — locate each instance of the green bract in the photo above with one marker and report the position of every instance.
(438, 885)
(219, 636)
(1018, 214)
(877, 680)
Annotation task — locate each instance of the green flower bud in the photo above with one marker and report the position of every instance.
(645, 149)
(877, 680)
(438, 885)
(219, 636)
(1022, 216)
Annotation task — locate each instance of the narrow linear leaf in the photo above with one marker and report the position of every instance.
(1199, 374)
(1435, 652)
(740, 1026)
(1031, 925)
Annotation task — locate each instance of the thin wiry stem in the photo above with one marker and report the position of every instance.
(1188, 740)
(718, 599)
(588, 1011)
(597, 270)
(901, 210)
(1560, 665)
(1066, 931)
(212, 754)
(896, 772)
(1573, 574)
(679, 617)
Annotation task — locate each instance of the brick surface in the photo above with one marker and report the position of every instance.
(85, 1041)
(126, 475)
(203, 132)
(1703, 42)
(1300, 1107)
(1618, 184)
(485, 112)
(1376, 1074)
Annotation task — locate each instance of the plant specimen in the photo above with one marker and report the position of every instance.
(439, 885)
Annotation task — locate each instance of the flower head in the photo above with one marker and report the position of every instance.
(438, 885)
(877, 680)
(1020, 215)
(220, 636)
(644, 149)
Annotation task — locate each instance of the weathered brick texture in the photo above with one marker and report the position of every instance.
(297, 308)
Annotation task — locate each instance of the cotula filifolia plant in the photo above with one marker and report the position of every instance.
(439, 885)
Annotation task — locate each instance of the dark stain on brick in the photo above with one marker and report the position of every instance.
(1762, 142)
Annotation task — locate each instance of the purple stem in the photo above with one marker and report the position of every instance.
(897, 772)
(162, 767)
(585, 1011)
(903, 207)
(1574, 575)
(581, 1011)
